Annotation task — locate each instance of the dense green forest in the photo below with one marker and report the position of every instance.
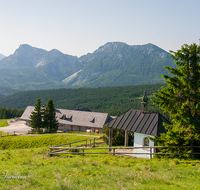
(6, 113)
(112, 100)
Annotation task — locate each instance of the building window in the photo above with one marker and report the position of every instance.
(92, 120)
(145, 141)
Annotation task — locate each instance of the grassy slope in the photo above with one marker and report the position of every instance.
(36, 141)
(3, 122)
(91, 171)
(94, 172)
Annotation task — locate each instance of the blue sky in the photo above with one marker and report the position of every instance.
(78, 27)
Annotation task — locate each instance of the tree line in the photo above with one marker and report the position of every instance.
(6, 113)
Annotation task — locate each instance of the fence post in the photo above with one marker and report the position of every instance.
(70, 145)
(110, 138)
(94, 142)
(113, 151)
(85, 142)
(150, 153)
(83, 151)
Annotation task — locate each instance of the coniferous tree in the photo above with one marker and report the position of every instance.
(50, 122)
(181, 99)
(36, 116)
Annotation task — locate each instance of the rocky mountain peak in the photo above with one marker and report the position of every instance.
(55, 52)
(110, 46)
(28, 50)
(2, 56)
(28, 56)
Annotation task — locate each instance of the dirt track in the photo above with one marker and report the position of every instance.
(19, 127)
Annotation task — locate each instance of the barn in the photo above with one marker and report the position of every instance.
(74, 120)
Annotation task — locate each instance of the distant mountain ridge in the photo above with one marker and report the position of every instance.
(119, 64)
(113, 64)
(2, 56)
(4, 91)
(28, 56)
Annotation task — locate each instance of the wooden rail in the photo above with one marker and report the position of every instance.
(86, 143)
(59, 150)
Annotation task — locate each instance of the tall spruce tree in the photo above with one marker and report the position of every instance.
(50, 122)
(36, 116)
(181, 98)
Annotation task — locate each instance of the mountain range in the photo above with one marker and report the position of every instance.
(113, 64)
(2, 56)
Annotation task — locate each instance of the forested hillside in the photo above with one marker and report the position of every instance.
(113, 100)
(4, 91)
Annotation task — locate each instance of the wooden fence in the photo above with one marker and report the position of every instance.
(112, 150)
(3, 134)
(88, 142)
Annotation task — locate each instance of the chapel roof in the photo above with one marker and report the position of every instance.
(145, 122)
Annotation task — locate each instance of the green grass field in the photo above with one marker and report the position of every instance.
(3, 122)
(44, 140)
(28, 165)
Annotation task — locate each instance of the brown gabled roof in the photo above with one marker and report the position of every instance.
(74, 117)
(141, 122)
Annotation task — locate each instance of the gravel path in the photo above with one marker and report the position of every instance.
(125, 152)
(19, 127)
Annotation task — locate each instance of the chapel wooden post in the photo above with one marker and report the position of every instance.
(126, 138)
(110, 138)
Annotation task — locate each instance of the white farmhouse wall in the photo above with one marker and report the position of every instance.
(138, 142)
